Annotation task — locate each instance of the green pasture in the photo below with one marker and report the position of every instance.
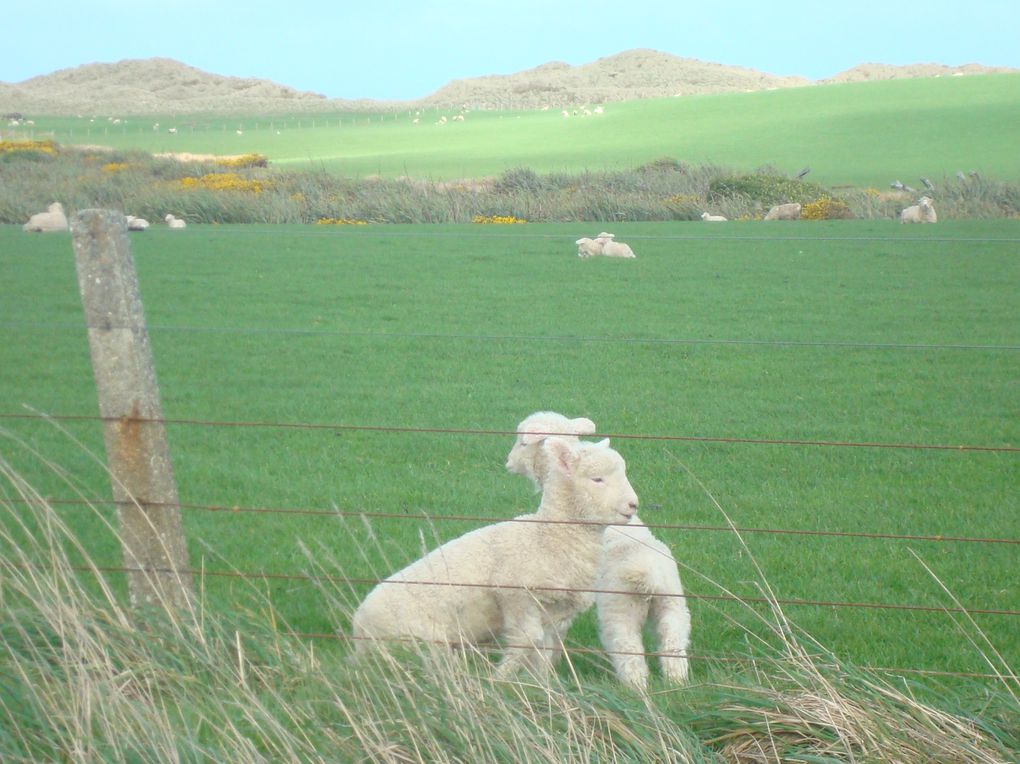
(838, 332)
(863, 134)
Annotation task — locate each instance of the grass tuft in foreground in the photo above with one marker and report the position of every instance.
(87, 680)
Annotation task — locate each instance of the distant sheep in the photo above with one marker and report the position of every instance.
(712, 218)
(52, 220)
(603, 245)
(922, 212)
(588, 247)
(789, 211)
(174, 222)
(137, 224)
(536, 567)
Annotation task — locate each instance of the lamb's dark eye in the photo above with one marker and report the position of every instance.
(598, 480)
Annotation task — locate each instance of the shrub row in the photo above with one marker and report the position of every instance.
(249, 191)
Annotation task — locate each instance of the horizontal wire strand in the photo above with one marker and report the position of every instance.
(266, 576)
(504, 433)
(297, 331)
(323, 512)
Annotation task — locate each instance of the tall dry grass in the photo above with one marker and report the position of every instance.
(86, 679)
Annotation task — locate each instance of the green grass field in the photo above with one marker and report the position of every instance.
(864, 134)
(860, 332)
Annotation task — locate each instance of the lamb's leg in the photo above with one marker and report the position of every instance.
(621, 620)
(524, 636)
(672, 623)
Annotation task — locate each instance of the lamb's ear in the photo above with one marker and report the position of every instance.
(530, 438)
(582, 426)
(604, 443)
(561, 453)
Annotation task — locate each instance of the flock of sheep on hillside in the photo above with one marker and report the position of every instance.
(523, 581)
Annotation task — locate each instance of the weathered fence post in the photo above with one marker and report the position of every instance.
(136, 446)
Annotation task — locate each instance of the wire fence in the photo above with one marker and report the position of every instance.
(580, 339)
(347, 427)
(568, 647)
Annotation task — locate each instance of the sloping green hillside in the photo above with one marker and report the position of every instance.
(863, 134)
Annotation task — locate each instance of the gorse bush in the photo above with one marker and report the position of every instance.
(245, 190)
(766, 188)
(826, 208)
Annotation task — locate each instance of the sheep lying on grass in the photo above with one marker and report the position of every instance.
(174, 222)
(712, 218)
(520, 579)
(603, 245)
(789, 211)
(635, 567)
(53, 219)
(922, 212)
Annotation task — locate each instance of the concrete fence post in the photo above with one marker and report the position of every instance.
(137, 452)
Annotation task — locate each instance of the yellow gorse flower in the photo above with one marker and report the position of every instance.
(46, 147)
(224, 181)
(340, 221)
(497, 220)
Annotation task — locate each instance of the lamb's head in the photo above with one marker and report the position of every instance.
(586, 481)
(924, 202)
(526, 457)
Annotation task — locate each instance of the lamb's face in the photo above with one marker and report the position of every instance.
(598, 478)
(526, 457)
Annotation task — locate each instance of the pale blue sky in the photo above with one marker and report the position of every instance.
(398, 49)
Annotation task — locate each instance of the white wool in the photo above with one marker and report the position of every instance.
(712, 218)
(533, 574)
(634, 568)
(922, 212)
(789, 211)
(52, 220)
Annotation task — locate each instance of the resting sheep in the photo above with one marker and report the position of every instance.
(603, 245)
(789, 211)
(588, 247)
(53, 219)
(922, 212)
(712, 218)
(174, 222)
(523, 579)
(635, 567)
(137, 224)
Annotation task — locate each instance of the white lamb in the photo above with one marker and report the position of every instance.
(612, 248)
(922, 212)
(712, 218)
(53, 219)
(603, 245)
(635, 567)
(789, 211)
(136, 224)
(174, 222)
(523, 579)
(588, 247)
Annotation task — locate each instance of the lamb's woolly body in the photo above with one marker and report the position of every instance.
(634, 565)
(52, 220)
(712, 218)
(524, 574)
(922, 212)
(789, 211)
(605, 245)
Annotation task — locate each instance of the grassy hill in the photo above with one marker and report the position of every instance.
(862, 134)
